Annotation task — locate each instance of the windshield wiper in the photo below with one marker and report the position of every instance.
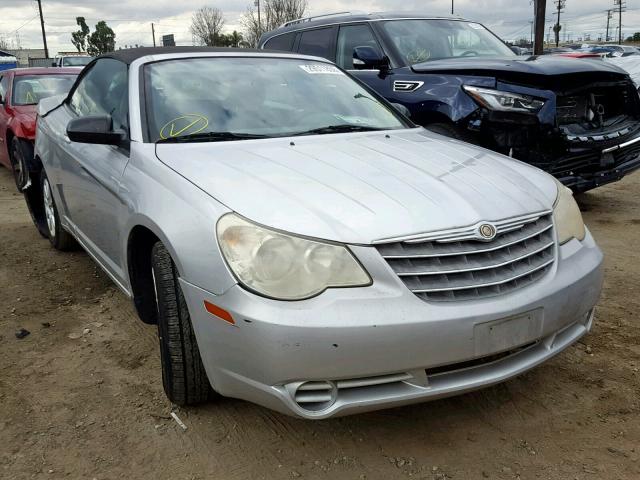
(342, 128)
(212, 137)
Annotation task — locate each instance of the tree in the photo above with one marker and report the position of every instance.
(4, 45)
(102, 40)
(206, 25)
(79, 37)
(235, 38)
(273, 14)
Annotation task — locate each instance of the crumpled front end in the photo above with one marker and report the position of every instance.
(588, 135)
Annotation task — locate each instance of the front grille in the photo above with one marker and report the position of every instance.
(594, 107)
(448, 266)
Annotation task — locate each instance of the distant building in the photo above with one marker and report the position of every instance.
(23, 55)
(7, 60)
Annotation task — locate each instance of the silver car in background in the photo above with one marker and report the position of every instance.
(300, 243)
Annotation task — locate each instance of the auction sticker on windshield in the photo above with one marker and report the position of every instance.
(184, 125)
(321, 69)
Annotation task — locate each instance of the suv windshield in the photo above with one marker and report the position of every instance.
(30, 89)
(423, 40)
(226, 98)
(76, 61)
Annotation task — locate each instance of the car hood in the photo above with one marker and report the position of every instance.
(362, 187)
(534, 65)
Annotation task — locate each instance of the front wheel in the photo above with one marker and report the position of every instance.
(183, 376)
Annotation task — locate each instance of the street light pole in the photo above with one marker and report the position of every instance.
(451, 7)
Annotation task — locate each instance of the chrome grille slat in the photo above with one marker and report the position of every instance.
(478, 268)
(489, 284)
(439, 269)
(471, 247)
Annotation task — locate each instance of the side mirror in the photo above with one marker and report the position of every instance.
(402, 109)
(54, 64)
(369, 58)
(97, 129)
(516, 50)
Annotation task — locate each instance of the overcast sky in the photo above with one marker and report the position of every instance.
(131, 19)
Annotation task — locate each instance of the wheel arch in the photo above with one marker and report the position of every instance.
(143, 235)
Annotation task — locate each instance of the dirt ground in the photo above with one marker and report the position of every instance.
(81, 396)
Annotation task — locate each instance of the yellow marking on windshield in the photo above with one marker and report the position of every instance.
(30, 98)
(184, 125)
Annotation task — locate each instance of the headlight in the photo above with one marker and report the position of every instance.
(567, 216)
(284, 266)
(504, 101)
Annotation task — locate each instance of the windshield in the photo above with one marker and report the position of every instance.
(423, 40)
(30, 89)
(257, 97)
(76, 61)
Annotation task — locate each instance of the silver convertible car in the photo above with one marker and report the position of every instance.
(299, 242)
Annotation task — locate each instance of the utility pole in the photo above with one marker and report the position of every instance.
(257, 4)
(560, 7)
(609, 17)
(540, 12)
(153, 34)
(451, 7)
(44, 36)
(621, 8)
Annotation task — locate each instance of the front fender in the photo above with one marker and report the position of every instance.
(180, 214)
(22, 127)
(440, 97)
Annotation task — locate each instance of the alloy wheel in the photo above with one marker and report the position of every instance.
(49, 208)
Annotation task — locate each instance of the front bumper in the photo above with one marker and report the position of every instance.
(579, 162)
(381, 346)
(582, 171)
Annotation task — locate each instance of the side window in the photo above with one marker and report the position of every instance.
(4, 88)
(317, 42)
(281, 42)
(104, 89)
(350, 37)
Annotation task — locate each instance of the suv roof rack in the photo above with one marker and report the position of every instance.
(309, 19)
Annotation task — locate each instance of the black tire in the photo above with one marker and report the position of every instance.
(21, 157)
(451, 131)
(184, 379)
(33, 197)
(59, 238)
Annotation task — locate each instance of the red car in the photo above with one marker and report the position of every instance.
(579, 55)
(20, 91)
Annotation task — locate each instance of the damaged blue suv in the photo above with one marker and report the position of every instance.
(577, 119)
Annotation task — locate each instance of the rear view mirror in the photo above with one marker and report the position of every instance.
(369, 58)
(97, 129)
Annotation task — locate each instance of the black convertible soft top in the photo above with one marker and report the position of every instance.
(128, 55)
